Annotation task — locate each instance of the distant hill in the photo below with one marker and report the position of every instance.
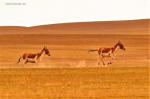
(133, 27)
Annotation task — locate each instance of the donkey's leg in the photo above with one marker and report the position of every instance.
(36, 60)
(26, 61)
(112, 56)
(102, 60)
(109, 60)
(98, 60)
(19, 60)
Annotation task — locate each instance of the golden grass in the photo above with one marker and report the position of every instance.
(71, 71)
(99, 83)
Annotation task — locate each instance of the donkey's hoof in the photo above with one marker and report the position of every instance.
(109, 63)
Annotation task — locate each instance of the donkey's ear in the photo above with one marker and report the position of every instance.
(119, 41)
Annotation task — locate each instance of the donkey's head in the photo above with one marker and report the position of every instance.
(45, 49)
(121, 46)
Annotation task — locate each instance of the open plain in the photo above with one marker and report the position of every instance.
(71, 72)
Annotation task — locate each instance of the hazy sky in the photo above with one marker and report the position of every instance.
(38, 12)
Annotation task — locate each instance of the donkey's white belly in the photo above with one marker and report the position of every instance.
(106, 54)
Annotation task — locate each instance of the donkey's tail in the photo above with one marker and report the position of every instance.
(92, 50)
(19, 60)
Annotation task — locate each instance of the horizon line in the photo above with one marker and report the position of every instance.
(73, 22)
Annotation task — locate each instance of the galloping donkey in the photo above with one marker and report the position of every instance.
(36, 57)
(108, 52)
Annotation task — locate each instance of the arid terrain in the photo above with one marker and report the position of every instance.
(70, 71)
